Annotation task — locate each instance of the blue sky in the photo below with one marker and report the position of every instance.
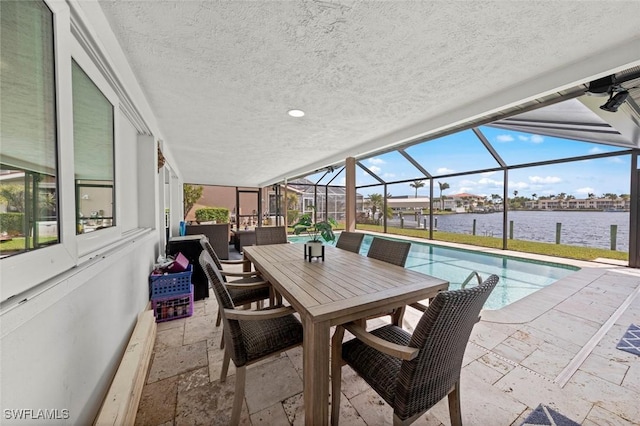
(463, 152)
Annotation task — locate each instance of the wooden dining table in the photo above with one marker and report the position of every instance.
(344, 287)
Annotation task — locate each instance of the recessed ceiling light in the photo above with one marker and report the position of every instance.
(297, 113)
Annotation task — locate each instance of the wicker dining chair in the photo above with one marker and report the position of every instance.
(243, 291)
(250, 335)
(412, 372)
(246, 263)
(394, 252)
(271, 235)
(350, 241)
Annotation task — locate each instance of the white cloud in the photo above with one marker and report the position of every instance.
(585, 190)
(487, 181)
(375, 161)
(595, 150)
(504, 138)
(518, 185)
(523, 138)
(375, 169)
(464, 189)
(444, 170)
(545, 179)
(488, 173)
(388, 175)
(616, 160)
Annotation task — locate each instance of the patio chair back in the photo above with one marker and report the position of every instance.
(206, 246)
(231, 328)
(350, 241)
(413, 386)
(394, 252)
(442, 335)
(250, 338)
(271, 235)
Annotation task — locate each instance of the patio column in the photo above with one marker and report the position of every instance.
(350, 207)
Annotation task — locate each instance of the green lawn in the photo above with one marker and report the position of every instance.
(18, 244)
(549, 249)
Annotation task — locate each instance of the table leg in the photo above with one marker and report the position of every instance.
(397, 315)
(316, 372)
(246, 266)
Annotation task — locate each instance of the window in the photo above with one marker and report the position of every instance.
(93, 142)
(28, 164)
(308, 202)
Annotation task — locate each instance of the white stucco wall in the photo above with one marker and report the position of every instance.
(61, 349)
(64, 332)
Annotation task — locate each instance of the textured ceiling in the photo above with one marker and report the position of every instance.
(220, 76)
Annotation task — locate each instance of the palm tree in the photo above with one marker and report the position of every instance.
(514, 203)
(191, 195)
(376, 201)
(591, 195)
(443, 186)
(47, 201)
(495, 198)
(534, 196)
(292, 201)
(13, 196)
(417, 184)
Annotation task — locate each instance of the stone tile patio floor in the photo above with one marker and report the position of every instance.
(517, 357)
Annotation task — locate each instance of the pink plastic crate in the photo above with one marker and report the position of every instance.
(174, 307)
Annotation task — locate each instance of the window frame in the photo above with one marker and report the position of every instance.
(24, 274)
(94, 243)
(23, 271)
(89, 182)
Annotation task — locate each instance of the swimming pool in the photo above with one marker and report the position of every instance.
(518, 277)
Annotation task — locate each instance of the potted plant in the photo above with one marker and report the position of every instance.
(315, 230)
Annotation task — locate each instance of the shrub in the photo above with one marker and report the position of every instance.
(362, 218)
(209, 214)
(12, 223)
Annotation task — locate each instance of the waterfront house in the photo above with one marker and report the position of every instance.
(593, 203)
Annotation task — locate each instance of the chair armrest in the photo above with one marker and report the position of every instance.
(240, 274)
(245, 286)
(398, 351)
(234, 262)
(236, 314)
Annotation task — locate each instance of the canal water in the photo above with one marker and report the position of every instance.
(588, 229)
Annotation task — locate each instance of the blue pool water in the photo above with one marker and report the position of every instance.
(518, 277)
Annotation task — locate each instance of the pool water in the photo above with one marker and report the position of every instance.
(518, 277)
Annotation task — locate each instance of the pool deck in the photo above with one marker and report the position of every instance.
(556, 347)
